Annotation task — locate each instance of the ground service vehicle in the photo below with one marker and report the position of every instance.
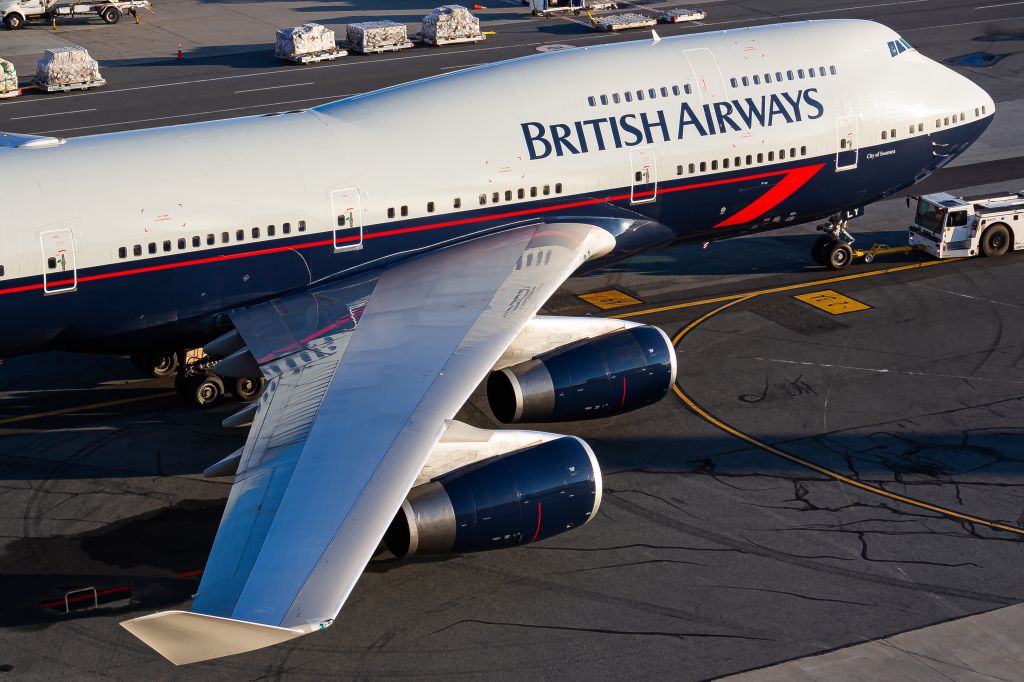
(948, 226)
(16, 12)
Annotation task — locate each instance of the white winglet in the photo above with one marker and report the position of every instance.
(185, 637)
(654, 36)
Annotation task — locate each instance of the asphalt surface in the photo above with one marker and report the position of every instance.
(818, 480)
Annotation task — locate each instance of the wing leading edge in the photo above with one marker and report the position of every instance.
(352, 409)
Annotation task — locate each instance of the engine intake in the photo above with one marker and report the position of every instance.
(513, 499)
(588, 379)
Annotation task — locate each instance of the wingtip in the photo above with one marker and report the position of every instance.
(184, 637)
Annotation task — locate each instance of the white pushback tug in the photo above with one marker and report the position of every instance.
(948, 226)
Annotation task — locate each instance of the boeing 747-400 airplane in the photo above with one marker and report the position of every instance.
(374, 296)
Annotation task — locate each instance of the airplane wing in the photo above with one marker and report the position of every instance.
(362, 375)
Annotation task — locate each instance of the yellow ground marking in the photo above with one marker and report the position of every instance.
(85, 408)
(711, 419)
(832, 302)
(612, 298)
(788, 287)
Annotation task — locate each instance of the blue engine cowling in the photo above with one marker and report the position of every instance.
(509, 500)
(592, 378)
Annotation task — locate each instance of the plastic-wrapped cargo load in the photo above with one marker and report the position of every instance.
(8, 78)
(305, 39)
(617, 22)
(66, 66)
(375, 35)
(450, 22)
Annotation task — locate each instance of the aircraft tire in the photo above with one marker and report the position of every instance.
(995, 241)
(247, 389)
(818, 250)
(839, 255)
(204, 390)
(156, 365)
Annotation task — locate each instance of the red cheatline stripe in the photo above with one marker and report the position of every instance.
(537, 532)
(420, 228)
(794, 180)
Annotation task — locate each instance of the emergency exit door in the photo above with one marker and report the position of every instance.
(644, 175)
(347, 219)
(60, 275)
(847, 146)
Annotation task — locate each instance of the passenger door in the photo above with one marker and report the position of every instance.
(847, 146)
(347, 219)
(60, 274)
(643, 166)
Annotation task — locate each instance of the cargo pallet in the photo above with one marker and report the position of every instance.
(619, 22)
(311, 57)
(67, 87)
(380, 48)
(677, 16)
(452, 41)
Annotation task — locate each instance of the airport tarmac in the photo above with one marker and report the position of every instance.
(832, 470)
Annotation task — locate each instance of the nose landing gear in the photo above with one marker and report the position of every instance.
(834, 249)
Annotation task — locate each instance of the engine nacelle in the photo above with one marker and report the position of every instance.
(592, 378)
(513, 499)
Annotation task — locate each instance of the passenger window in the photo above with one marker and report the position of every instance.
(615, 97)
(687, 89)
(558, 188)
(884, 135)
(521, 193)
(767, 78)
(638, 176)
(255, 233)
(692, 169)
(725, 163)
(239, 235)
(746, 81)
(508, 195)
(167, 246)
(832, 70)
(271, 230)
(430, 207)
(675, 91)
(547, 190)
(810, 72)
(803, 151)
(604, 99)
(679, 169)
(457, 202)
(404, 211)
(760, 158)
(945, 121)
(137, 250)
(778, 76)
(714, 164)
(757, 79)
(938, 123)
(750, 159)
(483, 199)
(210, 240)
(286, 228)
(733, 82)
(911, 130)
(639, 95)
(977, 112)
(391, 213)
(920, 127)
(664, 91)
(196, 242)
(181, 244)
(782, 152)
(961, 116)
(591, 101)
(821, 70)
(533, 191)
(628, 96)
(122, 252)
(771, 156)
(652, 93)
(51, 263)
(703, 166)
(738, 162)
(495, 198)
(152, 247)
(892, 133)
(800, 73)
(789, 75)
(302, 226)
(792, 152)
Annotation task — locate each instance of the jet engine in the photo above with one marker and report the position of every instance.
(513, 499)
(590, 378)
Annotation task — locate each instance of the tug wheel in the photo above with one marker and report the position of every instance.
(995, 241)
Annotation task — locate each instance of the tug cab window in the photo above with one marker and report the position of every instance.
(957, 219)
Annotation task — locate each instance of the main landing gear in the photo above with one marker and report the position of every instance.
(835, 248)
(198, 384)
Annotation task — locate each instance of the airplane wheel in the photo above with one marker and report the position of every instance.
(204, 390)
(156, 364)
(248, 389)
(818, 250)
(839, 255)
(869, 257)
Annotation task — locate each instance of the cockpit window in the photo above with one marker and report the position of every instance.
(898, 47)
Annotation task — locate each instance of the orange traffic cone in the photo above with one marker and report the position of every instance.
(479, 7)
(180, 55)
